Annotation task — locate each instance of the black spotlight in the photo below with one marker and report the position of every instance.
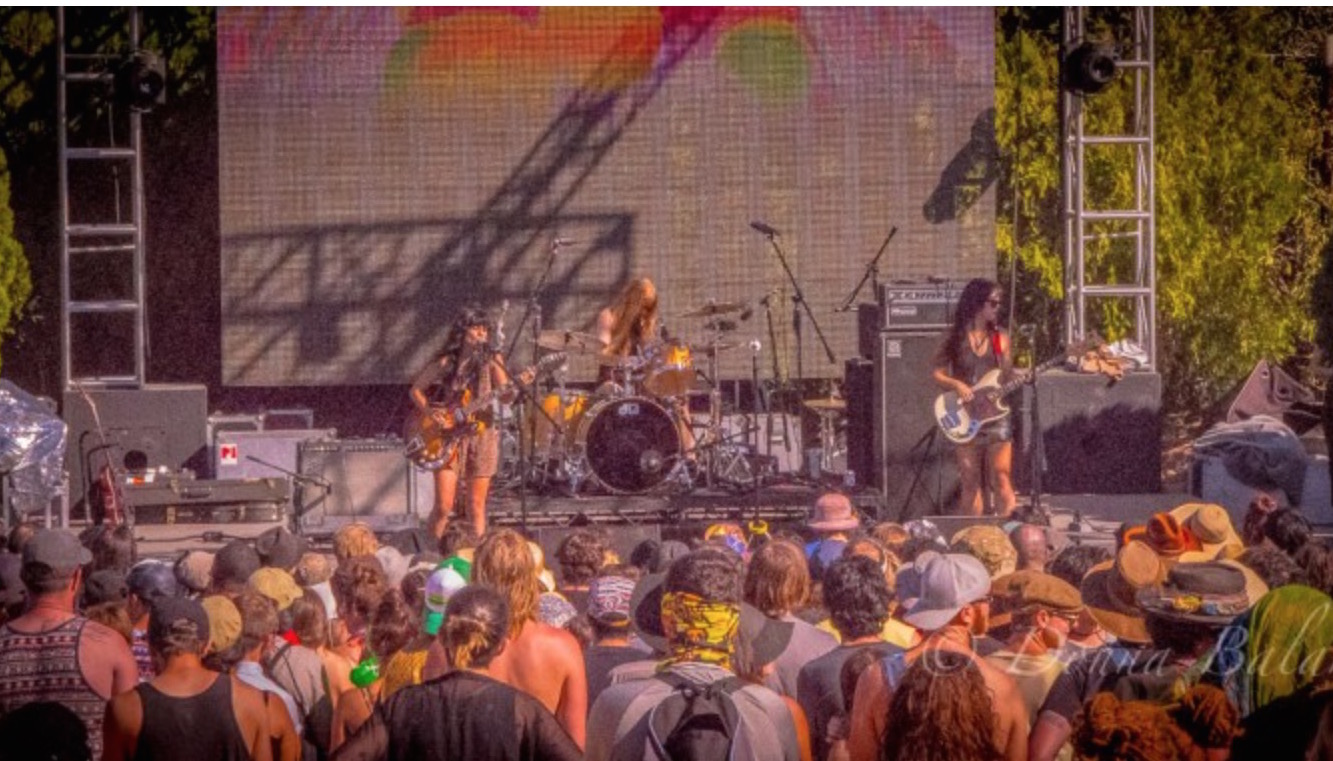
(141, 81)
(1089, 68)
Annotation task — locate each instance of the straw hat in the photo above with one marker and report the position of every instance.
(1109, 590)
(1211, 525)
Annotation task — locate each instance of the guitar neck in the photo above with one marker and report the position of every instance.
(1012, 385)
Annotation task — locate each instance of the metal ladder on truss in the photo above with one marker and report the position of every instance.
(101, 206)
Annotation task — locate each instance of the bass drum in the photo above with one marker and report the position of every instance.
(631, 444)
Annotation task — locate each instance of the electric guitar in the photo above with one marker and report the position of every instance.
(960, 421)
(432, 439)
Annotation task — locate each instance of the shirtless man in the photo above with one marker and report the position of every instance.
(186, 705)
(954, 607)
(541, 660)
(79, 663)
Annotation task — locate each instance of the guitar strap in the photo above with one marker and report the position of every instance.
(996, 346)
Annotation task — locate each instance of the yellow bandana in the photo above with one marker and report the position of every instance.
(699, 629)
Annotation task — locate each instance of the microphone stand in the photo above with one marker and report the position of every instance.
(800, 303)
(871, 274)
(302, 481)
(532, 305)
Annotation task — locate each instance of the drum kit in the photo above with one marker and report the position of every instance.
(634, 432)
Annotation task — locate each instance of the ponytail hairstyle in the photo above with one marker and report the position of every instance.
(476, 621)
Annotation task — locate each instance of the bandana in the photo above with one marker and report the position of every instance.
(698, 630)
(608, 599)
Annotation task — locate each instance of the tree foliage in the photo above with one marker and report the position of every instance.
(15, 278)
(1240, 227)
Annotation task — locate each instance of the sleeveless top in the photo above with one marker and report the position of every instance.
(969, 367)
(449, 383)
(204, 723)
(44, 666)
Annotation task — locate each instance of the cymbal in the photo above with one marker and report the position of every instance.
(704, 348)
(827, 404)
(569, 341)
(620, 363)
(715, 308)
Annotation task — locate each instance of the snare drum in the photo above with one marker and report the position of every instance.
(670, 370)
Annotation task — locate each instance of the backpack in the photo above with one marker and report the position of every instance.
(694, 722)
(316, 721)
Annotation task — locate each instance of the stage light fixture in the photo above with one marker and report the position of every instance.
(1089, 68)
(141, 81)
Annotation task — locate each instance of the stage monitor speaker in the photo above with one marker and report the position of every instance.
(916, 470)
(1270, 391)
(1100, 437)
(366, 480)
(158, 426)
(621, 539)
(858, 388)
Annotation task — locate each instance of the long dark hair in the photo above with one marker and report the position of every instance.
(970, 303)
(941, 709)
(470, 315)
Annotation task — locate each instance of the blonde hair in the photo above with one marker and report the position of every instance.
(475, 623)
(635, 311)
(354, 540)
(504, 562)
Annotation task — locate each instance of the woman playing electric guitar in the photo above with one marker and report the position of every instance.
(467, 369)
(974, 346)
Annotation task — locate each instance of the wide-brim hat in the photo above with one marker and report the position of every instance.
(1109, 591)
(1211, 594)
(1211, 525)
(766, 638)
(834, 512)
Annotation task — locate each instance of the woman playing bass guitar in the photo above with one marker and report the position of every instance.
(975, 345)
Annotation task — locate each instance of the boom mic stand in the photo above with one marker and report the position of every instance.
(798, 298)
(871, 274)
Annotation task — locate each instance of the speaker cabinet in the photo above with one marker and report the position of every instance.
(858, 388)
(367, 480)
(916, 471)
(1099, 437)
(162, 426)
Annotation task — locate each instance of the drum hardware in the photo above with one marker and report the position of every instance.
(712, 308)
(670, 370)
(829, 409)
(570, 341)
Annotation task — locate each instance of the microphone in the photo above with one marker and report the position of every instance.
(498, 336)
(754, 345)
(765, 229)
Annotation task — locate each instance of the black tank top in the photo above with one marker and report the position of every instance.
(201, 727)
(970, 366)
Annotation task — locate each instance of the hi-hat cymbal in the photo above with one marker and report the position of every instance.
(825, 405)
(569, 341)
(713, 308)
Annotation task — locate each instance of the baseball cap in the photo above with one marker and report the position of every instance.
(440, 586)
(990, 545)
(608, 600)
(948, 583)
(56, 549)
(235, 562)
(151, 579)
(106, 585)
(194, 570)
(167, 611)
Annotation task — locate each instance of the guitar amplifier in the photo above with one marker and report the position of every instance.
(176, 499)
(366, 480)
(918, 306)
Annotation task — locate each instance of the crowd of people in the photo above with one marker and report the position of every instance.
(1187, 639)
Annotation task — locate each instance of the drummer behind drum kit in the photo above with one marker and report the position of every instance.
(633, 433)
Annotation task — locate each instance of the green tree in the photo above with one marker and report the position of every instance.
(1239, 229)
(15, 279)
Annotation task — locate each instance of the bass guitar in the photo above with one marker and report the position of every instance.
(432, 438)
(960, 421)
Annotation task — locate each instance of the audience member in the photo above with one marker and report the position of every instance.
(13, 595)
(1273, 565)
(1043, 609)
(259, 624)
(194, 572)
(700, 613)
(280, 548)
(232, 567)
(358, 584)
(539, 659)
(148, 581)
(1288, 529)
(833, 520)
(1033, 545)
(186, 709)
(354, 540)
(580, 556)
(51, 653)
(941, 708)
(990, 545)
(468, 712)
(777, 583)
(609, 595)
(952, 607)
(113, 547)
(858, 601)
(19, 535)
